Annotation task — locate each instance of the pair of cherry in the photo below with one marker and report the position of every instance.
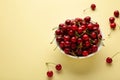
(112, 20)
(50, 73)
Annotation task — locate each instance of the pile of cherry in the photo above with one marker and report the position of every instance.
(78, 37)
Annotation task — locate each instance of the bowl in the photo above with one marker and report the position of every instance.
(79, 38)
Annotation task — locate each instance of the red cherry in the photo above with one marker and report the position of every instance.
(87, 43)
(109, 60)
(66, 38)
(67, 50)
(59, 38)
(61, 25)
(68, 22)
(85, 37)
(64, 28)
(79, 52)
(79, 40)
(58, 32)
(80, 30)
(49, 73)
(62, 44)
(71, 32)
(85, 53)
(67, 44)
(90, 26)
(93, 35)
(58, 67)
(93, 6)
(73, 46)
(87, 19)
(74, 27)
(116, 13)
(113, 25)
(94, 48)
(111, 19)
(73, 39)
(83, 27)
(78, 19)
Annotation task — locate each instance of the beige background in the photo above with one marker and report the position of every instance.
(25, 34)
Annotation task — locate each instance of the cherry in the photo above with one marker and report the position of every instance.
(62, 44)
(67, 50)
(79, 40)
(58, 32)
(73, 46)
(116, 13)
(85, 37)
(74, 27)
(71, 33)
(87, 19)
(109, 60)
(113, 25)
(67, 44)
(93, 6)
(61, 25)
(87, 43)
(58, 67)
(111, 19)
(90, 26)
(49, 73)
(68, 22)
(80, 30)
(85, 53)
(78, 19)
(59, 38)
(83, 27)
(73, 39)
(66, 38)
(93, 35)
(94, 48)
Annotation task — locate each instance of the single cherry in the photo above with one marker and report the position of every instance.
(109, 60)
(116, 13)
(87, 19)
(49, 73)
(93, 6)
(58, 67)
(111, 19)
(85, 37)
(85, 53)
(113, 25)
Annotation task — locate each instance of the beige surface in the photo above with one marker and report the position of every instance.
(25, 33)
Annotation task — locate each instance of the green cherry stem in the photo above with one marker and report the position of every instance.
(55, 48)
(54, 28)
(115, 54)
(110, 33)
(52, 40)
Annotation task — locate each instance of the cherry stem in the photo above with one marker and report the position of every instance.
(115, 54)
(118, 26)
(52, 40)
(54, 28)
(47, 63)
(55, 48)
(85, 9)
(110, 33)
(102, 43)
